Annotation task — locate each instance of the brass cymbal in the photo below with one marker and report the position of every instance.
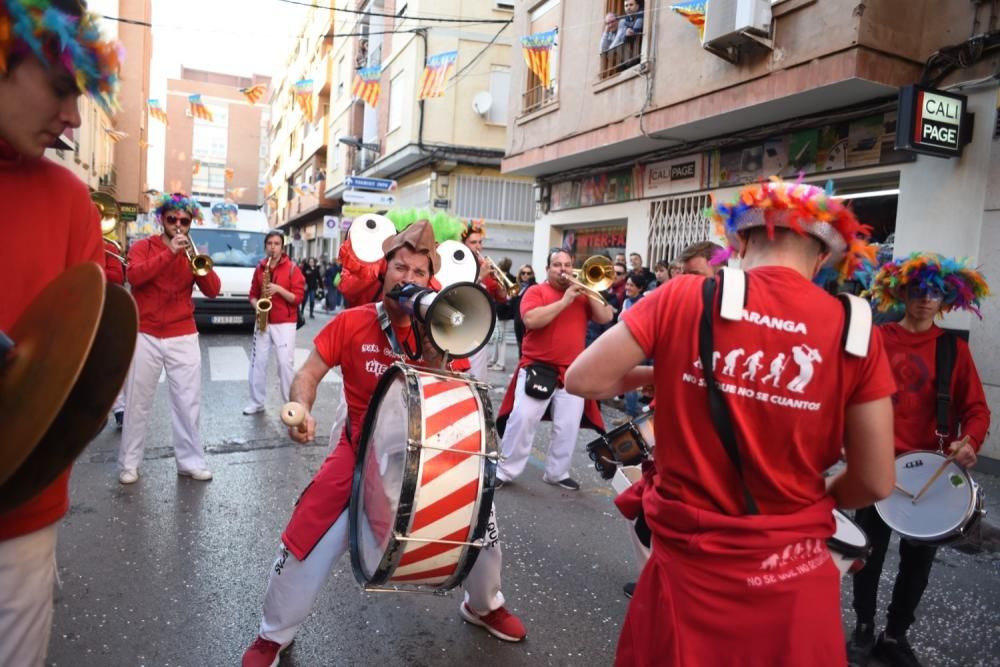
(51, 341)
(86, 409)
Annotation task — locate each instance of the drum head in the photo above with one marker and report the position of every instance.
(848, 539)
(944, 508)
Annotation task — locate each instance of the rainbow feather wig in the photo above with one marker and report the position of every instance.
(60, 39)
(178, 201)
(962, 287)
(805, 209)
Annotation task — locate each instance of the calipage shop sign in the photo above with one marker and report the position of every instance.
(932, 122)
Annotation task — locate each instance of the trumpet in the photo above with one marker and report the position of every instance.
(512, 288)
(595, 276)
(201, 265)
(120, 255)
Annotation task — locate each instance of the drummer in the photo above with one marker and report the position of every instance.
(317, 534)
(923, 286)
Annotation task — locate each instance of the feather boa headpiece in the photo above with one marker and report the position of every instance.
(962, 287)
(178, 201)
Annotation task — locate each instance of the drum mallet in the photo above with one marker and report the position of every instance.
(294, 415)
(944, 464)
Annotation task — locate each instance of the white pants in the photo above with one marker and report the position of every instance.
(282, 338)
(119, 404)
(181, 357)
(27, 575)
(294, 584)
(567, 410)
(478, 364)
(498, 354)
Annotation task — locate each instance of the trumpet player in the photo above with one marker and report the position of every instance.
(472, 237)
(162, 272)
(276, 290)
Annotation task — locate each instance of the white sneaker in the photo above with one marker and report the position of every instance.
(253, 409)
(497, 367)
(128, 477)
(201, 475)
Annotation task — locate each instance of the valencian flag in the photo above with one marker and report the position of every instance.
(115, 135)
(254, 92)
(195, 167)
(694, 12)
(198, 108)
(367, 84)
(304, 94)
(230, 172)
(537, 49)
(433, 78)
(156, 111)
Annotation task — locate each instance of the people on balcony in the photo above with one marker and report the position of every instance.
(630, 25)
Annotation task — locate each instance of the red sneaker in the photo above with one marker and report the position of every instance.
(263, 653)
(500, 623)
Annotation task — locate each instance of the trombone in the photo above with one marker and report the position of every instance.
(201, 265)
(595, 276)
(111, 224)
(512, 289)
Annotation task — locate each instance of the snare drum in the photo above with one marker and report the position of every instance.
(947, 511)
(628, 445)
(849, 545)
(423, 484)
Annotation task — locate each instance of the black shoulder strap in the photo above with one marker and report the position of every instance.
(721, 417)
(944, 363)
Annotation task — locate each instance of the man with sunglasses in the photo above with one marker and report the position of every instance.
(922, 286)
(162, 279)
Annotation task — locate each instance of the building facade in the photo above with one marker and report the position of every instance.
(128, 181)
(627, 144)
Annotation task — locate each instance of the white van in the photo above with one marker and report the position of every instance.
(234, 239)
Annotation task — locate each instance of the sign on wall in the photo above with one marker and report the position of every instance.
(933, 122)
(672, 176)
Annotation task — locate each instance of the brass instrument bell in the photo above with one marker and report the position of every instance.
(201, 265)
(595, 276)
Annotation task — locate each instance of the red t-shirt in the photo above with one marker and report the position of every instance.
(50, 224)
(286, 274)
(161, 285)
(787, 382)
(912, 357)
(561, 340)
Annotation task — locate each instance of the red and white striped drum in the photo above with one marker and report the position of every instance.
(423, 484)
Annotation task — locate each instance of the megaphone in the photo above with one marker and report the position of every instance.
(459, 319)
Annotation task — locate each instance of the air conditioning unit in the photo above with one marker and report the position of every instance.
(733, 24)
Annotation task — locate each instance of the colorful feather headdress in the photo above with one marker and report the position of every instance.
(962, 287)
(805, 209)
(58, 38)
(178, 201)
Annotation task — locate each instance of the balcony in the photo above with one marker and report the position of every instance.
(621, 57)
(108, 181)
(537, 97)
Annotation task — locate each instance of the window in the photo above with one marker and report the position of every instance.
(499, 91)
(676, 223)
(341, 76)
(620, 49)
(397, 99)
(544, 17)
(335, 151)
(210, 181)
(494, 198)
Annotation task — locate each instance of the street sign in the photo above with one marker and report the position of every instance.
(355, 210)
(376, 198)
(365, 183)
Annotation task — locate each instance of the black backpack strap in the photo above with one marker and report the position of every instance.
(944, 363)
(721, 417)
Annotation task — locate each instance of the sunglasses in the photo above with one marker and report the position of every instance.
(619, 273)
(176, 220)
(527, 273)
(920, 292)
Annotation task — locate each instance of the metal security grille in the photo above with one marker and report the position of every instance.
(494, 199)
(676, 223)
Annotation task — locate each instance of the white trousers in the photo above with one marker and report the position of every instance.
(478, 364)
(567, 410)
(282, 338)
(498, 354)
(181, 357)
(27, 575)
(119, 404)
(293, 584)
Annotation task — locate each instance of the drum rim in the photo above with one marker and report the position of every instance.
(952, 533)
(846, 549)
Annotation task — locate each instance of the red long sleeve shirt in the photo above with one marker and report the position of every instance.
(161, 285)
(912, 357)
(50, 224)
(287, 275)
(113, 269)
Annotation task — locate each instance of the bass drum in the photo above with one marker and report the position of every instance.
(424, 480)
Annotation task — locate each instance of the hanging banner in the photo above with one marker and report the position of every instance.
(156, 111)
(537, 53)
(435, 74)
(254, 92)
(304, 95)
(198, 108)
(694, 12)
(367, 85)
(115, 135)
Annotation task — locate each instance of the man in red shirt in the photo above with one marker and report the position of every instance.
(924, 286)
(739, 564)
(161, 278)
(317, 533)
(53, 225)
(285, 289)
(555, 315)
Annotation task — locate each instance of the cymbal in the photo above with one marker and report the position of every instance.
(51, 341)
(85, 411)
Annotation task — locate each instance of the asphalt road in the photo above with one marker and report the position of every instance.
(171, 571)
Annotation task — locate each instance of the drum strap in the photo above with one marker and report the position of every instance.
(944, 363)
(386, 325)
(721, 417)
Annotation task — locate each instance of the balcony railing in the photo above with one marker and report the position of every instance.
(621, 57)
(537, 97)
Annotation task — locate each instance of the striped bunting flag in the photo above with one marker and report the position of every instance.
(435, 73)
(254, 92)
(537, 49)
(156, 111)
(304, 95)
(694, 12)
(367, 85)
(198, 108)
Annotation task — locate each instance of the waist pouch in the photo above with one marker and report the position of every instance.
(540, 380)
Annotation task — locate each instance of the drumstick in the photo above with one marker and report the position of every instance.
(904, 491)
(294, 415)
(944, 464)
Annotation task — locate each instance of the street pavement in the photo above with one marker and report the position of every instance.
(170, 571)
